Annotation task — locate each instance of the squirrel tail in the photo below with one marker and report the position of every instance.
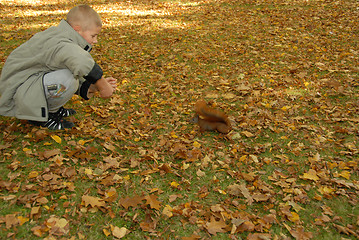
(211, 114)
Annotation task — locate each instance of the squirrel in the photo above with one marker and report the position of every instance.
(210, 119)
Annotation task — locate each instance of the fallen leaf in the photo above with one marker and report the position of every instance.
(167, 210)
(106, 232)
(11, 220)
(174, 184)
(119, 232)
(58, 226)
(93, 201)
(310, 175)
(247, 134)
(152, 201)
(259, 236)
(200, 173)
(37, 231)
(33, 174)
(214, 226)
(56, 139)
(130, 201)
(34, 212)
(22, 220)
(192, 237)
(299, 234)
(260, 197)
(294, 217)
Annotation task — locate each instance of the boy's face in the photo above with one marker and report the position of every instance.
(90, 35)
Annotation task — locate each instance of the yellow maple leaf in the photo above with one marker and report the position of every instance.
(174, 184)
(167, 210)
(56, 139)
(196, 144)
(33, 174)
(88, 171)
(345, 174)
(106, 232)
(22, 220)
(294, 218)
(325, 190)
(310, 175)
(93, 201)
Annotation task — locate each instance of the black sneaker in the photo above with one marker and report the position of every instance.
(55, 122)
(66, 112)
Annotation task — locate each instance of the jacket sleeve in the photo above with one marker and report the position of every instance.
(95, 74)
(84, 86)
(77, 60)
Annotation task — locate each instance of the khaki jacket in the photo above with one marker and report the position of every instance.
(21, 82)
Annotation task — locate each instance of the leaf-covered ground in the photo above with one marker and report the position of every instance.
(286, 72)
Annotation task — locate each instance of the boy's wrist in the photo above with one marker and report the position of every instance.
(104, 88)
(84, 89)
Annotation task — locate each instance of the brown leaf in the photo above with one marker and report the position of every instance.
(246, 193)
(192, 237)
(11, 220)
(299, 234)
(214, 226)
(310, 175)
(93, 201)
(42, 200)
(152, 201)
(148, 225)
(234, 190)
(5, 146)
(37, 231)
(173, 197)
(260, 197)
(238, 190)
(345, 230)
(166, 168)
(35, 211)
(259, 236)
(58, 226)
(50, 153)
(130, 202)
(248, 134)
(119, 232)
(111, 195)
(246, 226)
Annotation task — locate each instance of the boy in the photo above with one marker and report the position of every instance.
(42, 74)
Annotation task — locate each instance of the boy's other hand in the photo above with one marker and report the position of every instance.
(106, 86)
(112, 81)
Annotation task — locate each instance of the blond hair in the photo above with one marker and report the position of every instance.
(84, 16)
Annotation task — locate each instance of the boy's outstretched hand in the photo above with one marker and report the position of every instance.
(105, 86)
(112, 81)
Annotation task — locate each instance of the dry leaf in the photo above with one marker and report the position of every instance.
(310, 175)
(152, 201)
(130, 202)
(167, 210)
(56, 139)
(214, 226)
(93, 201)
(119, 232)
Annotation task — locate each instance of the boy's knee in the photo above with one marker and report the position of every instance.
(60, 82)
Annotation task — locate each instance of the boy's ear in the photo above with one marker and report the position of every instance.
(77, 28)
